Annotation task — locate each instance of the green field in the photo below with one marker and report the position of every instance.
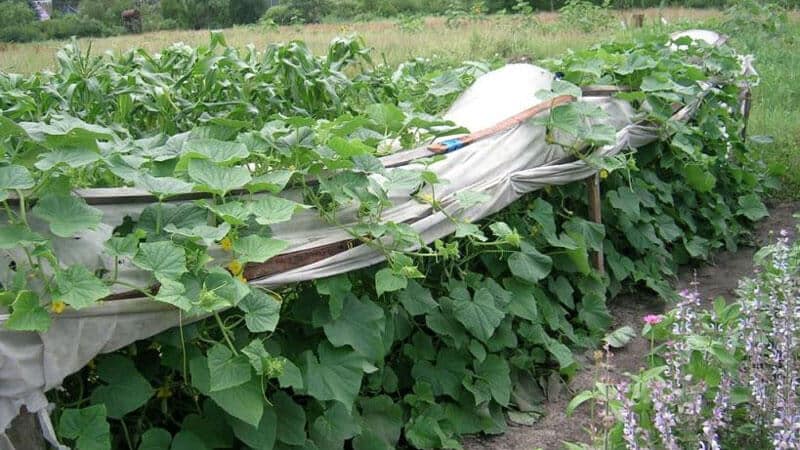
(775, 112)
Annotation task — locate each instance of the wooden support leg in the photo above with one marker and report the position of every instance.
(746, 102)
(24, 432)
(595, 215)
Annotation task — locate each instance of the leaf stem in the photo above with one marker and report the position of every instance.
(22, 214)
(225, 333)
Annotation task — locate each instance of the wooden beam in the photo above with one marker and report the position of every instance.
(595, 215)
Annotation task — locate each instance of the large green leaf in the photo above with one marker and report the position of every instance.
(751, 207)
(226, 369)
(259, 249)
(244, 402)
(382, 421)
(203, 233)
(386, 116)
(164, 259)
(221, 289)
(626, 200)
(560, 352)
(387, 281)
(361, 325)
(162, 187)
(262, 311)
(27, 314)
(186, 440)
(273, 181)
(495, 373)
(15, 177)
(174, 293)
(72, 157)
(593, 312)
(125, 389)
(211, 426)
(269, 210)
(291, 427)
(336, 375)
(122, 246)
(87, 427)
(334, 426)
(523, 303)
(416, 299)
(258, 356)
(232, 212)
(699, 177)
(15, 236)
(67, 215)
(79, 288)
(593, 233)
(479, 316)
(260, 436)
(155, 439)
(216, 179)
(220, 152)
(530, 265)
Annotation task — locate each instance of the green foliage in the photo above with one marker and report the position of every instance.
(291, 12)
(753, 21)
(423, 349)
(15, 13)
(585, 15)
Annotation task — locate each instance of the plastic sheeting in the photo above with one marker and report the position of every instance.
(505, 166)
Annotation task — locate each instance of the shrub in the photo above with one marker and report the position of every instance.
(280, 14)
(108, 12)
(585, 15)
(247, 11)
(16, 14)
(72, 25)
(21, 33)
(294, 11)
(198, 14)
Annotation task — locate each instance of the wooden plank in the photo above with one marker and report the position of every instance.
(595, 215)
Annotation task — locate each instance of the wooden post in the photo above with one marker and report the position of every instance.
(746, 103)
(638, 20)
(24, 432)
(595, 215)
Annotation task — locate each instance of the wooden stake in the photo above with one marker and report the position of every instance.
(595, 215)
(24, 432)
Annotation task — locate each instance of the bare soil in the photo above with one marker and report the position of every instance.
(719, 278)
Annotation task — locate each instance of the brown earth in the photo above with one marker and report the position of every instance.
(719, 278)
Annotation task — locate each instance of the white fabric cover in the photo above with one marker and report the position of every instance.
(505, 166)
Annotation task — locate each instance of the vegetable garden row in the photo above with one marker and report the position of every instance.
(447, 338)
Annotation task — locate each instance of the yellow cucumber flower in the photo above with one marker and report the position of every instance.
(57, 306)
(236, 267)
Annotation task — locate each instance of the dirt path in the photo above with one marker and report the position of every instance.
(720, 278)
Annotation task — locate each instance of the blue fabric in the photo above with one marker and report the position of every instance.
(453, 144)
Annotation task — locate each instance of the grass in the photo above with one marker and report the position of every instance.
(776, 110)
(776, 107)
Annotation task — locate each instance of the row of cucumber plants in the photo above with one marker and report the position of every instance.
(450, 339)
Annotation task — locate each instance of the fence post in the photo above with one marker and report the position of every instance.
(595, 215)
(24, 432)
